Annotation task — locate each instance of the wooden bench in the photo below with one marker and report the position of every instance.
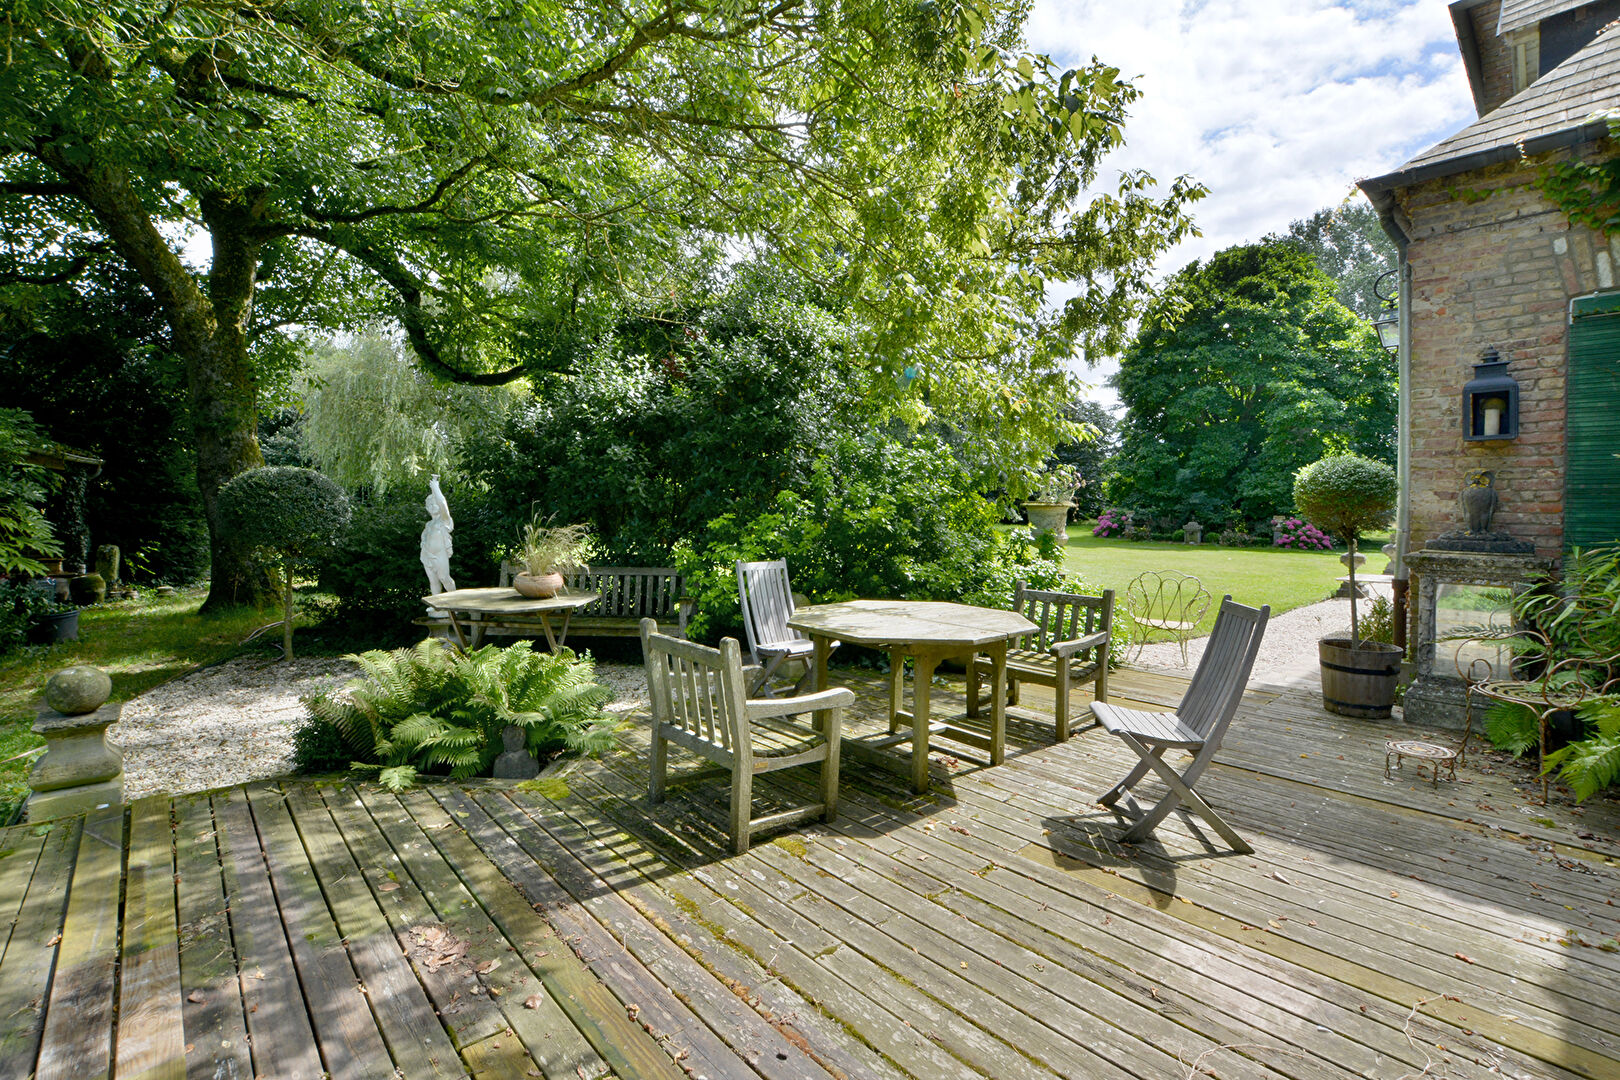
(629, 594)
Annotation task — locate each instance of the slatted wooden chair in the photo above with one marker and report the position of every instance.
(699, 702)
(767, 604)
(1070, 646)
(1197, 725)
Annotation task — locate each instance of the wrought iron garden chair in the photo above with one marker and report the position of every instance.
(1168, 601)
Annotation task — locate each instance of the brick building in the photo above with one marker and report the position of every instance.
(1489, 263)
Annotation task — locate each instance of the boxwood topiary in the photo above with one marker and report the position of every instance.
(1347, 494)
(297, 513)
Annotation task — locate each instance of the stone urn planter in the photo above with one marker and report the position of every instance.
(1050, 517)
(1359, 682)
(538, 586)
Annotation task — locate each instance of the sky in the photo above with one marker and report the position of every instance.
(1278, 106)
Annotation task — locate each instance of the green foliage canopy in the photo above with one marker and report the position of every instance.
(296, 512)
(1348, 242)
(1245, 369)
(506, 180)
(25, 535)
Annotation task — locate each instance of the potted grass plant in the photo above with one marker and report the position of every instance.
(1348, 494)
(544, 552)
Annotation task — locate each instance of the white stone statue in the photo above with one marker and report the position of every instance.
(436, 541)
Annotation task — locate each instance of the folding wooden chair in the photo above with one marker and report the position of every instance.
(1197, 725)
(698, 702)
(767, 604)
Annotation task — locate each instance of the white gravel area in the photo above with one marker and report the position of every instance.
(1288, 655)
(233, 722)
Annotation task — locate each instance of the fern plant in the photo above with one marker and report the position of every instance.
(430, 709)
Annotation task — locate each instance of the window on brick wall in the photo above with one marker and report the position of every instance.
(1592, 427)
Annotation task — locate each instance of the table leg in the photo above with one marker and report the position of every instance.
(998, 701)
(562, 631)
(922, 686)
(897, 688)
(551, 639)
(455, 624)
(823, 654)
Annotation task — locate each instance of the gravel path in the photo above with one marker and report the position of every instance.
(233, 723)
(1288, 655)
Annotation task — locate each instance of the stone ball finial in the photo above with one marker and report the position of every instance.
(78, 689)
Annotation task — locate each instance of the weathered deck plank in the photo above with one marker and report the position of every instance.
(31, 952)
(77, 1040)
(151, 1044)
(214, 1018)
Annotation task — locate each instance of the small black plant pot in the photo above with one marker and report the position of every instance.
(1563, 728)
(56, 627)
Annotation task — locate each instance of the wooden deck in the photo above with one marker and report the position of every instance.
(989, 929)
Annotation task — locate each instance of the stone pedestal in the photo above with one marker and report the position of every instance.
(1344, 592)
(1438, 694)
(79, 771)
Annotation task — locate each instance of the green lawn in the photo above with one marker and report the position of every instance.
(140, 643)
(1253, 575)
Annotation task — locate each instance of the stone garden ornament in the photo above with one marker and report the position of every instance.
(436, 546)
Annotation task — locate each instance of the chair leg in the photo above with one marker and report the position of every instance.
(1060, 710)
(762, 685)
(657, 767)
(742, 808)
(1139, 770)
(1180, 792)
(832, 728)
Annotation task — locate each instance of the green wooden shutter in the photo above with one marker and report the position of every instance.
(1592, 483)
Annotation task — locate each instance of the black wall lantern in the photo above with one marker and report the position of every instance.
(1491, 401)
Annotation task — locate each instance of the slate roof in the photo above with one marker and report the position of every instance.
(1568, 104)
(1517, 14)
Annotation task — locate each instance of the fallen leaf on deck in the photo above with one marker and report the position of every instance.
(1464, 959)
(532, 1001)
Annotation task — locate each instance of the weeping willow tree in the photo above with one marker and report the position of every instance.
(374, 419)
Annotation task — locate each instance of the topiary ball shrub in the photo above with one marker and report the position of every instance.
(296, 513)
(1347, 494)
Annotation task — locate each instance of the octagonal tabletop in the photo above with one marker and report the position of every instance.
(506, 601)
(922, 623)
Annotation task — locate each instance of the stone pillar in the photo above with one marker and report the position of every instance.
(79, 771)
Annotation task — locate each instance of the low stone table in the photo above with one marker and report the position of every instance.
(79, 771)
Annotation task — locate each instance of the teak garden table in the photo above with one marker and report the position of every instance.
(503, 605)
(928, 632)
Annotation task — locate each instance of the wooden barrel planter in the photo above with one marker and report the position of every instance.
(1359, 682)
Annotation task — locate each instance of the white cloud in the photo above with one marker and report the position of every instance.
(1278, 106)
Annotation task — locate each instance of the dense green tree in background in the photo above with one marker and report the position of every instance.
(89, 359)
(1092, 455)
(506, 181)
(1246, 369)
(1351, 247)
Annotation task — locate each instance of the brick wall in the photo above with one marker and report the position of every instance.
(1495, 58)
(1494, 264)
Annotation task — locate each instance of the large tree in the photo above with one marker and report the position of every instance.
(503, 178)
(1348, 242)
(1244, 370)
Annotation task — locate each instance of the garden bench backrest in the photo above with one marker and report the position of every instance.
(1060, 616)
(1223, 671)
(700, 691)
(767, 603)
(629, 592)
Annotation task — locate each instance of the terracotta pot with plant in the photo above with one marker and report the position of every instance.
(544, 552)
(1347, 495)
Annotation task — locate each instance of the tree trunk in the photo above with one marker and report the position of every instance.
(286, 624)
(210, 334)
(1355, 628)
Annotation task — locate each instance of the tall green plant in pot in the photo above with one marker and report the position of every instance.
(544, 553)
(1348, 495)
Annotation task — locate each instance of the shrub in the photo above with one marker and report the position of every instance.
(24, 533)
(1111, 523)
(432, 709)
(297, 513)
(1348, 495)
(1236, 536)
(1300, 535)
(1379, 622)
(1139, 533)
(875, 518)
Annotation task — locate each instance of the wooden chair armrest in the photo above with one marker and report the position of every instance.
(834, 697)
(1065, 649)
